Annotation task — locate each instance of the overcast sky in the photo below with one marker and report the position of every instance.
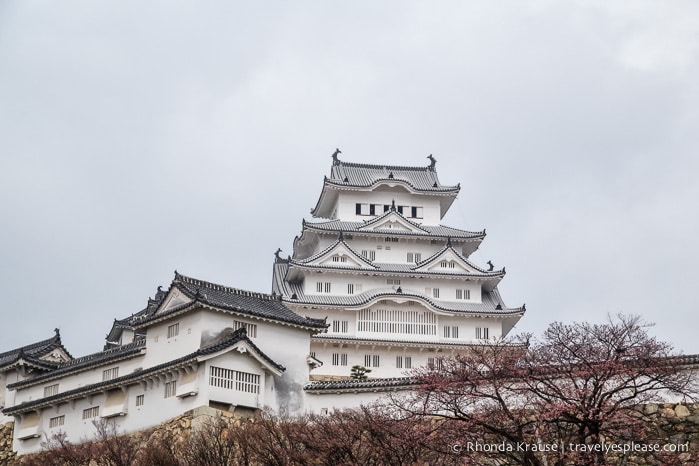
(137, 138)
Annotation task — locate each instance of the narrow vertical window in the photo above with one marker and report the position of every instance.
(173, 330)
(170, 388)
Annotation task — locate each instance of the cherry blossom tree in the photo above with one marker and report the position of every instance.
(567, 398)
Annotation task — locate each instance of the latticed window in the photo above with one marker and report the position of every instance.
(89, 413)
(340, 326)
(140, 400)
(109, 374)
(414, 257)
(173, 330)
(451, 331)
(323, 287)
(250, 329)
(51, 390)
(234, 380)
(57, 421)
(435, 363)
(463, 294)
(371, 360)
(246, 382)
(397, 321)
(170, 388)
(222, 378)
(482, 333)
(339, 359)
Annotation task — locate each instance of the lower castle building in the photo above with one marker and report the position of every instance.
(374, 281)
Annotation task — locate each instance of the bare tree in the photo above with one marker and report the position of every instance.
(114, 449)
(552, 401)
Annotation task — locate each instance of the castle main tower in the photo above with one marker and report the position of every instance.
(397, 287)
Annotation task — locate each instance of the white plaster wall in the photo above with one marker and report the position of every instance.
(239, 362)
(466, 324)
(284, 344)
(339, 281)
(162, 349)
(156, 409)
(395, 255)
(76, 380)
(317, 403)
(346, 204)
(387, 358)
(4, 395)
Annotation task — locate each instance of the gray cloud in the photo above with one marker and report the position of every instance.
(138, 138)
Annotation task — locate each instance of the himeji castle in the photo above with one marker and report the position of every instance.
(375, 280)
(396, 286)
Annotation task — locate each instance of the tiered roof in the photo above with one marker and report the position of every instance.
(491, 302)
(361, 176)
(467, 240)
(32, 354)
(293, 272)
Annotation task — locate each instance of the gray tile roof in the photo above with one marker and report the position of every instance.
(244, 302)
(358, 257)
(86, 362)
(339, 338)
(345, 175)
(365, 175)
(441, 231)
(353, 385)
(225, 341)
(491, 301)
(393, 268)
(34, 350)
(119, 325)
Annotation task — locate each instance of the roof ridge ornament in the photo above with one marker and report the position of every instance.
(336, 161)
(341, 236)
(276, 255)
(393, 205)
(433, 163)
(490, 266)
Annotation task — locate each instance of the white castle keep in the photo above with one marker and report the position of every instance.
(374, 281)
